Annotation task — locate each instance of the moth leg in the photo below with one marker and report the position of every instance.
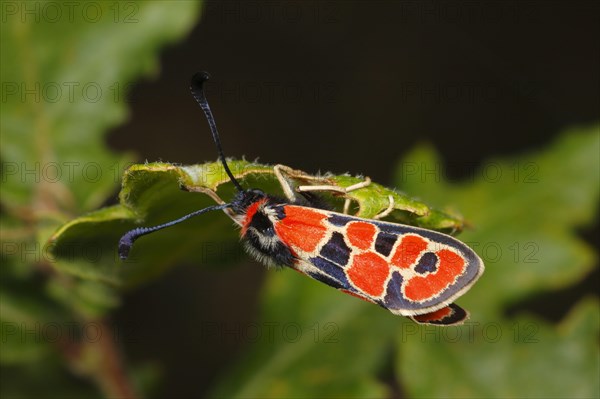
(284, 182)
(340, 190)
(335, 189)
(347, 206)
(357, 186)
(353, 187)
(284, 174)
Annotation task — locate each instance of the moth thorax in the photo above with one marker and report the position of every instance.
(261, 225)
(261, 239)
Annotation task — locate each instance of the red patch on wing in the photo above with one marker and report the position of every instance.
(439, 314)
(420, 288)
(301, 227)
(368, 273)
(408, 251)
(361, 234)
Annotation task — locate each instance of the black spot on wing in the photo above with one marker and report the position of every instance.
(385, 242)
(336, 249)
(427, 264)
(339, 220)
(474, 265)
(393, 298)
(394, 228)
(331, 269)
(401, 229)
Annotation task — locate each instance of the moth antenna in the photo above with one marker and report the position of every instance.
(127, 240)
(197, 91)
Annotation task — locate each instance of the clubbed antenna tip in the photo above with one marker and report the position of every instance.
(127, 240)
(197, 91)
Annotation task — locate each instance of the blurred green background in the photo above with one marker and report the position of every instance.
(488, 110)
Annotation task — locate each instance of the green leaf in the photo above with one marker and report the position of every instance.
(525, 211)
(525, 357)
(158, 192)
(43, 380)
(311, 341)
(491, 355)
(64, 85)
(24, 318)
(60, 103)
(56, 109)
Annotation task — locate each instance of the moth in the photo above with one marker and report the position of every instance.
(410, 271)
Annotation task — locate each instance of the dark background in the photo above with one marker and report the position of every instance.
(348, 86)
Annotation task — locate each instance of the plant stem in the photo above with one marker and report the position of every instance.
(102, 362)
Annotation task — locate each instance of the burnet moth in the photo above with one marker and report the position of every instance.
(408, 270)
